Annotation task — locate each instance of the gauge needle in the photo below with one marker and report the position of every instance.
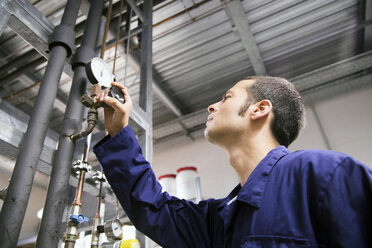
(102, 73)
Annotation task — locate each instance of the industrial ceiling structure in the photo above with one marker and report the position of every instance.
(200, 48)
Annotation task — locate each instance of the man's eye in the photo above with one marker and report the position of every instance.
(224, 98)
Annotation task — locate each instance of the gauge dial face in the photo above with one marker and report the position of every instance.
(113, 229)
(99, 72)
(117, 230)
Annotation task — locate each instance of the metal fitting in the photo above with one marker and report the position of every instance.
(78, 219)
(81, 165)
(99, 177)
(87, 100)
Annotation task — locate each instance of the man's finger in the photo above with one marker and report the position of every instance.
(101, 95)
(127, 97)
(119, 85)
(112, 102)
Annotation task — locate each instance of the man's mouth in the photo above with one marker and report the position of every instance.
(210, 118)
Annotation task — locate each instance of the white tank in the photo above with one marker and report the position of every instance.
(188, 184)
(168, 182)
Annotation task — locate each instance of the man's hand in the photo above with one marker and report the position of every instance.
(117, 115)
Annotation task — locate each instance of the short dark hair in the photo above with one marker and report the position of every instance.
(288, 106)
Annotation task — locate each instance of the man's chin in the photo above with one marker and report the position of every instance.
(208, 136)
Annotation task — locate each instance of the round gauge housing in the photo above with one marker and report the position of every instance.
(116, 93)
(98, 72)
(113, 229)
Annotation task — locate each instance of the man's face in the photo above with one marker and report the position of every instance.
(224, 121)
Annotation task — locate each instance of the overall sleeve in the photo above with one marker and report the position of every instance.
(167, 220)
(347, 208)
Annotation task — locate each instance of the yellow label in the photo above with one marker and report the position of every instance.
(130, 243)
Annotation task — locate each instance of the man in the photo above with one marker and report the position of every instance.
(302, 199)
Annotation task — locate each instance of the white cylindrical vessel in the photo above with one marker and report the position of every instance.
(188, 184)
(168, 182)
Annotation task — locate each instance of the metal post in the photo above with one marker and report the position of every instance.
(50, 231)
(15, 204)
(145, 101)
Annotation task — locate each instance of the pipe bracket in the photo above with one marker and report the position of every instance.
(82, 56)
(63, 36)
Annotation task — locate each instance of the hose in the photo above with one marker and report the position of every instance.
(92, 120)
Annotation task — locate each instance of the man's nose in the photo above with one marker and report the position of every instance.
(212, 108)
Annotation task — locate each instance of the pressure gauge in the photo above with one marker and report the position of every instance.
(113, 229)
(98, 72)
(116, 93)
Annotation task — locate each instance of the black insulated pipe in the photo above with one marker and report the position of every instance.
(15, 204)
(50, 229)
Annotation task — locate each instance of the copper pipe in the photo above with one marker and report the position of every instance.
(108, 18)
(117, 36)
(99, 200)
(86, 148)
(79, 189)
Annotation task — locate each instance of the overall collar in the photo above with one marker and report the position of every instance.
(253, 190)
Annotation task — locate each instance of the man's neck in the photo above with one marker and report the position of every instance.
(244, 158)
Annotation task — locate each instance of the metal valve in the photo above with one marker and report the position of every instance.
(78, 219)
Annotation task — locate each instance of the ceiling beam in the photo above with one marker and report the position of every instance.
(24, 69)
(240, 25)
(333, 72)
(137, 10)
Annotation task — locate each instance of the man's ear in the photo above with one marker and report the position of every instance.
(261, 109)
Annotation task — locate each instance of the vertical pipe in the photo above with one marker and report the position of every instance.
(145, 101)
(15, 204)
(50, 231)
(108, 18)
(79, 189)
(97, 219)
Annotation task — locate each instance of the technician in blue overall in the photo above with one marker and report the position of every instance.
(310, 198)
